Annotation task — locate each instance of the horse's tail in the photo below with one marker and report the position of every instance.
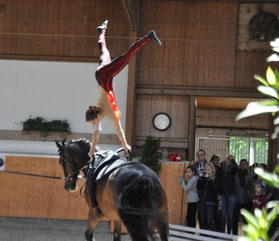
(139, 206)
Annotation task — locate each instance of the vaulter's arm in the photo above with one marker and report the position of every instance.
(95, 140)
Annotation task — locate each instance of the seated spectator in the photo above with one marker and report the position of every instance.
(189, 184)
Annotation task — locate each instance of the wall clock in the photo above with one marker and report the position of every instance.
(161, 121)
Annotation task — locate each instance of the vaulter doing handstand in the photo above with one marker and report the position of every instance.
(106, 104)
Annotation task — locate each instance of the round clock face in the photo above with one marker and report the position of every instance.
(161, 121)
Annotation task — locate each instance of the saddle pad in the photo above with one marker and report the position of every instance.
(104, 159)
(108, 169)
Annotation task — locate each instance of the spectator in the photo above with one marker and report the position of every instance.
(225, 176)
(259, 199)
(215, 160)
(208, 187)
(199, 164)
(189, 184)
(242, 180)
(199, 167)
(266, 189)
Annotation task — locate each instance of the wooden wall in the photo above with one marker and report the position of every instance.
(35, 197)
(199, 55)
(175, 106)
(27, 196)
(198, 43)
(226, 119)
(61, 29)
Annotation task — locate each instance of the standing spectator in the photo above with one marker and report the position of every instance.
(225, 176)
(208, 187)
(259, 199)
(215, 160)
(189, 184)
(199, 167)
(242, 179)
(199, 164)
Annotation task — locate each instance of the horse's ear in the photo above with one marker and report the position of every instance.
(63, 142)
(58, 145)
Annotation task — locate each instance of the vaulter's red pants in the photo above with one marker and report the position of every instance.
(105, 74)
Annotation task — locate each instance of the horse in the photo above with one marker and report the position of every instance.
(131, 194)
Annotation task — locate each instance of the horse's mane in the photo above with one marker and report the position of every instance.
(82, 143)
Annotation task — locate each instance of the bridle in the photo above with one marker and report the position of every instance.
(72, 176)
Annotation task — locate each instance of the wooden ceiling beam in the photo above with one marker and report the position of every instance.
(131, 7)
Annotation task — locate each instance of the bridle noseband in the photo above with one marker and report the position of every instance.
(72, 176)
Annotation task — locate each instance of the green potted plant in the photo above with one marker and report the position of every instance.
(41, 124)
(34, 123)
(150, 154)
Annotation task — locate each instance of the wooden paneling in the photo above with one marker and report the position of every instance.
(27, 196)
(60, 28)
(226, 119)
(248, 64)
(221, 103)
(35, 197)
(169, 175)
(198, 43)
(177, 107)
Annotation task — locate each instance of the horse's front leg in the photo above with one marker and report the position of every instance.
(94, 217)
(117, 231)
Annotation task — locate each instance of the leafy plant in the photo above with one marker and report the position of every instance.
(41, 124)
(150, 154)
(260, 223)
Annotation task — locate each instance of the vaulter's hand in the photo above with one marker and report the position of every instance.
(90, 154)
(127, 150)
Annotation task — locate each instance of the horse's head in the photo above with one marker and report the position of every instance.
(71, 164)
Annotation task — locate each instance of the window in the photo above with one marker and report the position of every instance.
(255, 150)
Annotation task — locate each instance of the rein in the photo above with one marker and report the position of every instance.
(30, 174)
(46, 176)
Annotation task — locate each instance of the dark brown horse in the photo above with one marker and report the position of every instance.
(131, 194)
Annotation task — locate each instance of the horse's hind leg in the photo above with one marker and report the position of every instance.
(93, 220)
(163, 230)
(117, 231)
(136, 226)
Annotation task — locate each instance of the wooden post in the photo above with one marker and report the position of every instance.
(131, 95)
(192, 128)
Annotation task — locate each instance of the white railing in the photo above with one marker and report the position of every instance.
(182, 233)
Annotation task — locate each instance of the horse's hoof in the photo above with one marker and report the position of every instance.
(88, 236)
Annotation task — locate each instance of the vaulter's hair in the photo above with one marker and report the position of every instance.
(91, 113)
